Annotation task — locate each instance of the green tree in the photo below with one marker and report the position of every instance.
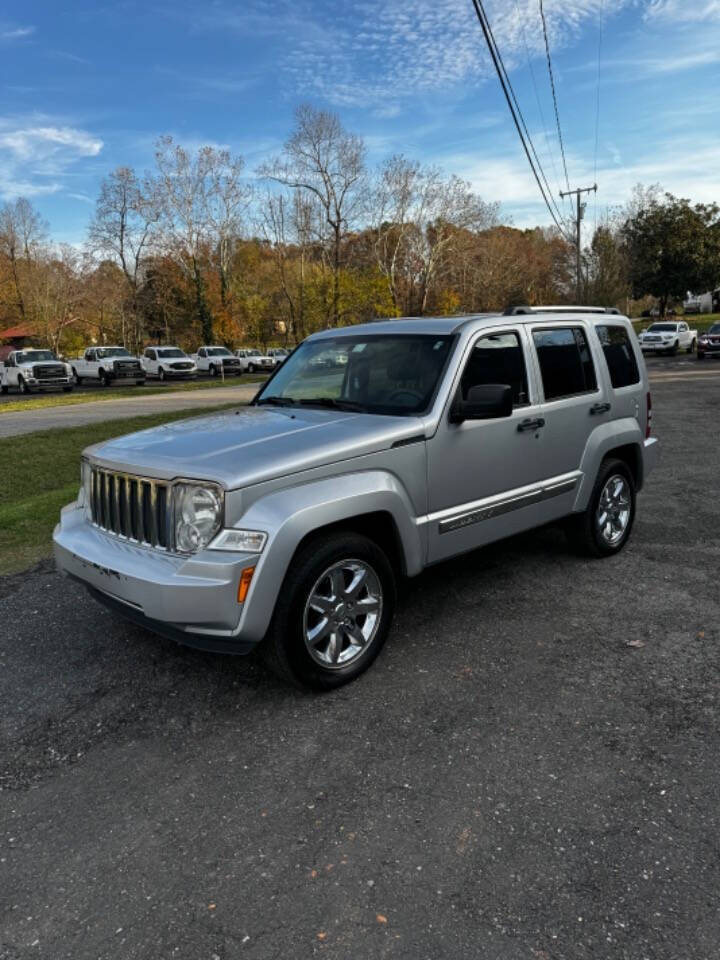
(673, 247)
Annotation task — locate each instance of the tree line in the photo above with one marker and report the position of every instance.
(202, 250)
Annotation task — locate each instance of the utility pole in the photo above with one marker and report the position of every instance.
(578, 238)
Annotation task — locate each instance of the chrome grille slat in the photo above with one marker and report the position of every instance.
(130, 507)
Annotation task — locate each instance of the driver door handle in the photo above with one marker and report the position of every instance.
(526, 425)
(599, 408)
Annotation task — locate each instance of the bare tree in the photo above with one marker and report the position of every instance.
(57, 294)
(126, 215)
(325, 161)
(288, 224)
(203, 199)
(23, 233)
(420, 216)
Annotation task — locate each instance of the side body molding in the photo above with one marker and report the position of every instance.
(289, 515)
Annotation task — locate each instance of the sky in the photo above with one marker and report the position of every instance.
(89, 86)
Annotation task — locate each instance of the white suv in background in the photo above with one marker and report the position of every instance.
(167, 363)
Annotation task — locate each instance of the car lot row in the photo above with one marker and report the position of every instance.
(31, 370)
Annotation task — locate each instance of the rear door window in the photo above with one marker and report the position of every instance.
(566, 363)
(619, 356)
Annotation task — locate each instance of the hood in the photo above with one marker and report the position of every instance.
(253, 444)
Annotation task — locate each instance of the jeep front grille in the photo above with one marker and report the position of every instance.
(135, 508)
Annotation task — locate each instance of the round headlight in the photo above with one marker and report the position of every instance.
(198, 515)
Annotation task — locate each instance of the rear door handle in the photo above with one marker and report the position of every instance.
(599, 408)
(535, 424)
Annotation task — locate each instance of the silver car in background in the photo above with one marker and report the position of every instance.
(372, 453)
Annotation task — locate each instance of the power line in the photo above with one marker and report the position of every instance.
(512, 105)
(522, 119)
(537, 94)
(597, 100)
(554, 95)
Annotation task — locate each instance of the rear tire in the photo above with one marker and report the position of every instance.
(604, 528)
(319, 637)
(3, 390)
(67, 389)
(691, 348)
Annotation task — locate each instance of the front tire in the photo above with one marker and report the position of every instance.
(3, 390)
(161, 375)
(604, 528)
(67, 389)
(251, 368)
(23, 387)
(78, 380)
(104, 379)
(213, 370)
(333, 612)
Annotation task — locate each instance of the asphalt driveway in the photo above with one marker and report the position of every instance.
(530, 770)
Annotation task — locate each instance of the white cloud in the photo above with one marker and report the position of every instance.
(35, 155)
(387, 49)
(683, 11)
(15, 33)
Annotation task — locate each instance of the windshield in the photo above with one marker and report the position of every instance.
(218, 352)
(662, 328)
(113, 352)
(170, 352)
(715, 328)
(384, 374)
(35, 356)
(253, 353)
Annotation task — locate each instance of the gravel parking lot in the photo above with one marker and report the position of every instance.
(530, 770)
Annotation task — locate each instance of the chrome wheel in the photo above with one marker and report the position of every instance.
(342, 614)
(614, 509)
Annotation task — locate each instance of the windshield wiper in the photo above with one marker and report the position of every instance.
(332, 403)
(277, 401)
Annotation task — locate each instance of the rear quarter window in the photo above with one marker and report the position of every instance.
(619, 355)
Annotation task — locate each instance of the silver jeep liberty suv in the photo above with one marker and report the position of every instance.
(373, 452)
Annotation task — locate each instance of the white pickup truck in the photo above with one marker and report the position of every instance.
(668, 336)
(252, 360)
(30, 370)
(217, 361)
(106, 365)
(168, 363)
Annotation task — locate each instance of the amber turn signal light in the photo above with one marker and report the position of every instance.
(244, 585)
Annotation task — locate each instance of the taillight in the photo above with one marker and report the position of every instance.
(648, 425)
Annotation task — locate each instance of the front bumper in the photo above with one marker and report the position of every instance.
(49, 383)
(656, 347)
(181, 374)
(192, 600)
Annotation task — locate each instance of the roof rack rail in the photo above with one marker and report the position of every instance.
(560, 308)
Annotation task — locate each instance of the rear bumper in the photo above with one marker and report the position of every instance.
(192, 600)
(651, 455)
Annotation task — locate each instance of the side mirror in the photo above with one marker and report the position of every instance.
(488, 401)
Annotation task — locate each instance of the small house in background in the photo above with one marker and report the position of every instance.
(16, 338)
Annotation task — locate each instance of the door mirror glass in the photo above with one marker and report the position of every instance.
(487, 401)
